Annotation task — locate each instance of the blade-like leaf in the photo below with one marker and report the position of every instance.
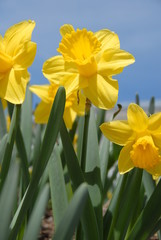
(92, 170)
(89, 222)
(3, 143)
(70, 220)
(104, 158)
(148, 217)
(10, 142)
(23, 157)
(3, 127)
(7, 200)
(36, 216)
(57, 186)
(52, 129)
(26, 121)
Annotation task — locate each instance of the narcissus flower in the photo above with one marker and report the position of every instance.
(88, 61)
(141, 138)
(47, 94)
(17, 53)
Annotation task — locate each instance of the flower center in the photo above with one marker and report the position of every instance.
(6, 62)
(144, 153)
(80, 47)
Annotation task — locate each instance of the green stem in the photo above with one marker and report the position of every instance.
(85, 135)
(10, 142)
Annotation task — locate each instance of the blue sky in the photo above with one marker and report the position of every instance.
(138, 24)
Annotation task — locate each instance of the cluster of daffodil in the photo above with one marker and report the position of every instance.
(81, 75)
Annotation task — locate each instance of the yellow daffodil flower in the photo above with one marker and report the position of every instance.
(74, 104)
(88, 62)
(141, 138)
(17, 53)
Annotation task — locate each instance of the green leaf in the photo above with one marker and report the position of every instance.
(3, 144)
(33, 226)
(92, 171)
(72, 215)
(149, 184)
(7, 200)
(100, 119)
(127, 206)
(104, 159)
(26, 121)
(80, 137)
(52, 129)
(151, 109)
(57, 186)
(3, 127)
(23, 156)
(88, 218)
(10, 142)
(149, 217)
(36, 147)
(112, 211)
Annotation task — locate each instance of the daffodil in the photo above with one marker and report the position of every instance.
(17, 53)
(87, 62)
(74, 104)
(140, 137)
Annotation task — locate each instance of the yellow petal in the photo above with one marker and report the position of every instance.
(55, 69)
(137, 118)
(66, 28)
(79, 104)
(155, 171)
(102, 91)
(2, 43)
(69, 117)
(42, 112)
(25, 56)
(13, 86)
(6, 63)
(118, 132)
(41, 92)
(18, 34)
(108, 39)
(157, 139)
(154, 124)
(113, 61)
(124, 162)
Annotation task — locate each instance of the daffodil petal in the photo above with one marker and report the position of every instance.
(55, 68)
(42, 112)
(118, 132)
(13, 86)
(69, 117)
(113, 61)
(102, 91)
(18, 34)
(79, 105)
(25, 56)
(157, 139)
(66, 28)
(137, 118)
(41, 91)
(108, 39)
(155, 171)
(2, 43)
(124, 162)
(154, 124)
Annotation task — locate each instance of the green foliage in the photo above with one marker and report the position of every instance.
(41, 168)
